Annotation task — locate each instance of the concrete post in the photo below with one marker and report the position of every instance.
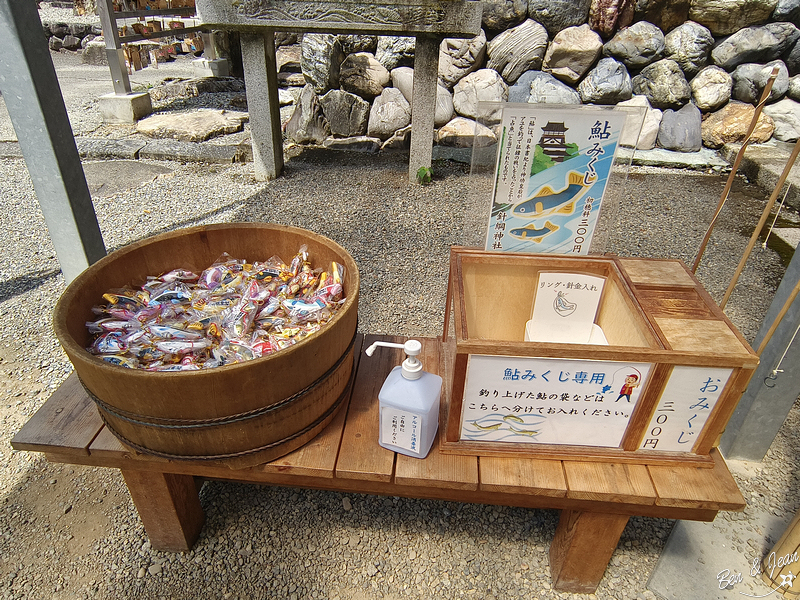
(33, 98)
(261, 84)
(769, 397)
(423, 107)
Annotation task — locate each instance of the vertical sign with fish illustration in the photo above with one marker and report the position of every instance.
(550, 401)
(553, 165)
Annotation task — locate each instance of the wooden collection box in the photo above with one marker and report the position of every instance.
(682, 363)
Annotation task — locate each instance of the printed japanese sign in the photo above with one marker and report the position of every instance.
(685, 405)
(552, 170)
(565, 307)
(550, 401)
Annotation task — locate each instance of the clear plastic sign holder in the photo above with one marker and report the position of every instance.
(549, 178)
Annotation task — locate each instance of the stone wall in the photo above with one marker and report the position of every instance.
(699, 66)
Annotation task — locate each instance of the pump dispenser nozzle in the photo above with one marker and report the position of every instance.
(412, 367)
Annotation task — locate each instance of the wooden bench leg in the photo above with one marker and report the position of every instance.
(169, 506)
(581, 548)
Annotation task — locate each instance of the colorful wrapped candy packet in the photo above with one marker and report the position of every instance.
(231, 312)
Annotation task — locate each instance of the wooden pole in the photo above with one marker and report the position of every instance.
(764, 216)
(735, 167)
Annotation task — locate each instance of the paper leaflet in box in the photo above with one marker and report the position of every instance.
(565, 309)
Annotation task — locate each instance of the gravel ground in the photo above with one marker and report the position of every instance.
(72, 532)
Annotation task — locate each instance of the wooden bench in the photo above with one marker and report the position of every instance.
(596, 499)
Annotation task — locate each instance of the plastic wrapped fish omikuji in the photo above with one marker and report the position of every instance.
(231, 312)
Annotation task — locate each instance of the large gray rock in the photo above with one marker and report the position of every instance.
(723, 17)
(95, 53)
(390, 112)
(664, 84)
(60, 30)
(499, 15)
(359, 143)
(71, 42)
(79, 30)
(794, 88)
(572, 53)
(400, 140)
(792, 59)
(731, 123)
(55, 43)
(641, 124)
(749, 81)
(394, 51)
(352, 44)
(457, 58)
(690, 46)
(363, 75)
(607, 16)
(465, 133)
(755, 44)
(536, 87)
(680, 130)
(403, 80)
(86, 39)
(557, 15)
(711, 88)
(517, 50)
(664, 14)
(320, 59)
(786, 116)
(608, 83)
(787, 10)
(636, 46)
(484, 85)
(521, 91)
(347, 114)
(307, 123)
(194, 126)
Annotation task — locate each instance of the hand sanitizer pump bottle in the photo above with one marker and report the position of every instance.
(409, 404)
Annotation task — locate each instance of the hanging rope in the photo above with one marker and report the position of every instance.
(775, 220)
(764, 216)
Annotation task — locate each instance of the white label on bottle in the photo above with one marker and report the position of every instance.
(400, 428)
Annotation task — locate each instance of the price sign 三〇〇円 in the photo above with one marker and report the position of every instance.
(552, 170)
(685, 405)
(550, 401)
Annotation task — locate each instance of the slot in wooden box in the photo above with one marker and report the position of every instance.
(557, 400)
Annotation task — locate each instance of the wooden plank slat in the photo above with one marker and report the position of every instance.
(66, 424)
(437, 470)
(317, 458)
(609, 482)
(713, 337)
(661, 272)
(697, 488)
(360, 456)
(523, 475)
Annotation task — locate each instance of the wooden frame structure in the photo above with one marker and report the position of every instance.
(653, 311)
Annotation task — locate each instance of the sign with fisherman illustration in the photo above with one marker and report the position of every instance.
(552, 170)
(550, 401)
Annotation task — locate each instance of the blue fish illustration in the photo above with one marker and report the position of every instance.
(533, 233)
(547, 201)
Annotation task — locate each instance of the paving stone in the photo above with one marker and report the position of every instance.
(189, 152)
(102, 148)
(195, 126)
